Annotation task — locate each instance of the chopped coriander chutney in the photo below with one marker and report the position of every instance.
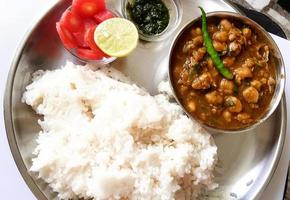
(150, 16)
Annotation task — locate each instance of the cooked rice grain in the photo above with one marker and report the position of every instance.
(106, 139)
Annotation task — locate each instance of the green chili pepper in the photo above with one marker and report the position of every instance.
(210, 49)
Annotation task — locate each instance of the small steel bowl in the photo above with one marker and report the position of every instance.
(274, 54)
(175, 14)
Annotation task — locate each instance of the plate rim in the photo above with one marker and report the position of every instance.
(10, 127)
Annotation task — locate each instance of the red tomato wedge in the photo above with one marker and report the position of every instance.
(71, 21)
(80, 38)
(89, 39)
(88, 8)
(89, 23)
(66, 37)
(80, 35)
(89, 54)
(103, 15)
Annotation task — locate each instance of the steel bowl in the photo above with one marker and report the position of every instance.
(275, 54)
(175, 13)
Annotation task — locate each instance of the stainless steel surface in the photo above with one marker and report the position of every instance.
(246, 161)
(287, 188)
(275, 55)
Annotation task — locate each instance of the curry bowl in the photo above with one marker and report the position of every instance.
(257, 73)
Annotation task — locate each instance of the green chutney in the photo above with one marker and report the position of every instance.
(150, 16)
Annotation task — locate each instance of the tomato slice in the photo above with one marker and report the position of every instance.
(88, 8)
(103, 15)
(80, 35)
(80, 38)
(66, 37)
(71, 21)
(89, 54)
(89, 23)
(89, 39)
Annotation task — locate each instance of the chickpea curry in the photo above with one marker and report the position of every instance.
(231, 102)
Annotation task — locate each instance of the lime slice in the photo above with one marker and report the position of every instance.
(116, 37)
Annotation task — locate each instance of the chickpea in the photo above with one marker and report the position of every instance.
(214, 111)
(234, 34)
(263, 73)
(251, 95)
(225, 25)
(247, 33)
(187, 47)
(266, 53)
(197, 41)
(221, 36)
(256, 84)
(191, 106)
(271, 81)
(183, 77)
(271, 84)
(249, 62)
(263, 52)
(245, 118)
(214, 98)
(210, 63)
(243, 40)
(226, 86)
(227, 116)
(232, 37)
(263, 81)
(235, 48)
(242, 73)
(195, 32)
(234, 104)
(199, 54)
(229, 61)
(211, 68)
(193, 44)
(219, 46)
(204, 81)
(198, 31)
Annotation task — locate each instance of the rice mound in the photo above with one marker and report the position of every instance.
(105, 138)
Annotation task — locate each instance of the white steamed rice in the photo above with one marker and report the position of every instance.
(104, 138)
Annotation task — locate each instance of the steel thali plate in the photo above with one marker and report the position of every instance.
(247, 160)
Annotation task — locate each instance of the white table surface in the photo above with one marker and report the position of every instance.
(15, 18)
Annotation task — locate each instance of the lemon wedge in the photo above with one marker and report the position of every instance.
(117, 37)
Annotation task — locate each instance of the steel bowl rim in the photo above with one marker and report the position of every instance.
(282, 82)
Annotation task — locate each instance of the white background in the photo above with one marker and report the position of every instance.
(15, 18)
